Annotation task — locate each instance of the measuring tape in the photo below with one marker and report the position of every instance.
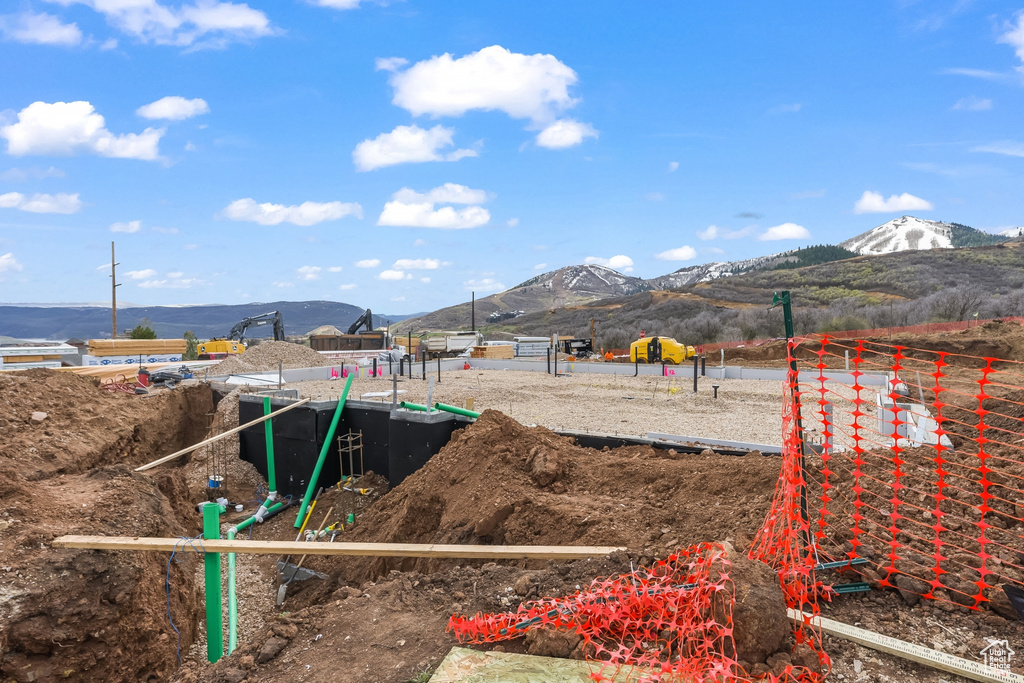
(915, 653)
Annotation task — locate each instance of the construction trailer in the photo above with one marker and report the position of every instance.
(363, 341)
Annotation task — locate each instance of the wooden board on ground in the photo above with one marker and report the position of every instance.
(463, 665)
(492, 552)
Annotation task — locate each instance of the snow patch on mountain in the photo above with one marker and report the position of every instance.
(902, 234)
(1013, 232)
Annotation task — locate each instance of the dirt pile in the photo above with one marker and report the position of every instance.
(499, 482)
(80, 613)
(266, 356)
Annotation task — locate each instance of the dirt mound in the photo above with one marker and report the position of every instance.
(498, 482)
(79, 613)
(267, 355)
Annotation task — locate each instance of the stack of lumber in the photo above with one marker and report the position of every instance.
(136, 347)
(493, 352)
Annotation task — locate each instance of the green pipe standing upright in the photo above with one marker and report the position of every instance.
(214, 618)
(308, 498)
(268, 430)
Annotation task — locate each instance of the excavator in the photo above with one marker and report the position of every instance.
(356, 339)
(365, 319)
(235, 341)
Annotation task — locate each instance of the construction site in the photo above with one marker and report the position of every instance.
(848, 509)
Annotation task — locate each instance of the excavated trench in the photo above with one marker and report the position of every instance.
(81, 614)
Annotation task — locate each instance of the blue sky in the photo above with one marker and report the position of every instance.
(397, 155)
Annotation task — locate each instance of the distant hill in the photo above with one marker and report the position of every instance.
(909, 233)
(567, 286)
(35, 322)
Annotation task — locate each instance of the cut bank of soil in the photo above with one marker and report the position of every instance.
(80, 614)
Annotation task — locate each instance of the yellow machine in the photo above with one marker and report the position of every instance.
(219, 348)
(660, 350)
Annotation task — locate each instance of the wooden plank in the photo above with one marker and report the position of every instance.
(942, 661)
(183, 451)
(463, 665)
(482, 552)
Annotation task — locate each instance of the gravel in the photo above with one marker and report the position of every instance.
(267, 355)
(746, 410)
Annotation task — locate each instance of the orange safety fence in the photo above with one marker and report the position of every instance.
(924, 328)
(917, 481)
(669, 622)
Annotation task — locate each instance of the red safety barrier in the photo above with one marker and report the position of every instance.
(671, 622)
(909, 467)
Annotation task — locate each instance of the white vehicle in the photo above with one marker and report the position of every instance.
(449, 344)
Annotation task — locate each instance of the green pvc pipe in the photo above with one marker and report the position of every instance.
(456, 410)
(214, 618)
(308, 498)
(232, 600)
(414, 406)
(271, 511)
(268, 430)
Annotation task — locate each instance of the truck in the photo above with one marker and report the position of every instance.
(660, 350)
(449, 344)
(355, 339)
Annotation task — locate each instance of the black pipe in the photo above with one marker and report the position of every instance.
(703, 366)
(401, 366)
(715, 387)
(549, 361)
(556, 362)
(423, 359)
(663, 368)
(374, 367)
(391, 369)
(439, 368)
(695, 374)
(636, 367)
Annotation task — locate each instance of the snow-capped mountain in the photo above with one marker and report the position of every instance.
(587, 281)
(908, 233)
(705, 272)
(1013, 233)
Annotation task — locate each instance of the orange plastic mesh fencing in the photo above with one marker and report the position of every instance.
(907, 468)
(670, 622)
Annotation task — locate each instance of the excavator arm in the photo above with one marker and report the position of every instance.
(365, 319)
(238, 331)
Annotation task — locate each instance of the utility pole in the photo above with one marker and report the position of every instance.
(472, 308)
(113, 290)
(592, 334)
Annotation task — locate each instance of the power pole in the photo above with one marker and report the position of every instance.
(472, 308)
(113, 291)
(592, 334)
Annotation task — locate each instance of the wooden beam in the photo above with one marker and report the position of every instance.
(183, 451)
(481, 552)
(976, 671)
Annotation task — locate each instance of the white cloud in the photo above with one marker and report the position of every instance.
(109, 44)
(130, 226)
(190, 247)
(425, 280)
(190, 146)
(786, 231)
(540, 266)
(406, 145)
(174, 108)
(512, 222)
(41, 203)
(673, 166)
(449, 193)
(1014, 36)
(684, 253)
(709, 233)
(873, 202)
(21, 175)
(337, 4)
(621, 263)
(423, 215)
(335, 269)
(39, 29)
(142, 274)
(390, 63)
(975, 73)
(973, 103)
(306, 213)
(394, 275)
(368, 263)
(1009, 148)
(207, 23)
(67, 128)
(174, 282)
(418, 243)
(534, 87)
(347, 287)
(309, 272)
(485, 285)
(417, 264)
(9, 264)
(565, 133)
(176, 274)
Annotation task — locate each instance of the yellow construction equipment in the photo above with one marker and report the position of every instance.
(660, 350)
(219, 348)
